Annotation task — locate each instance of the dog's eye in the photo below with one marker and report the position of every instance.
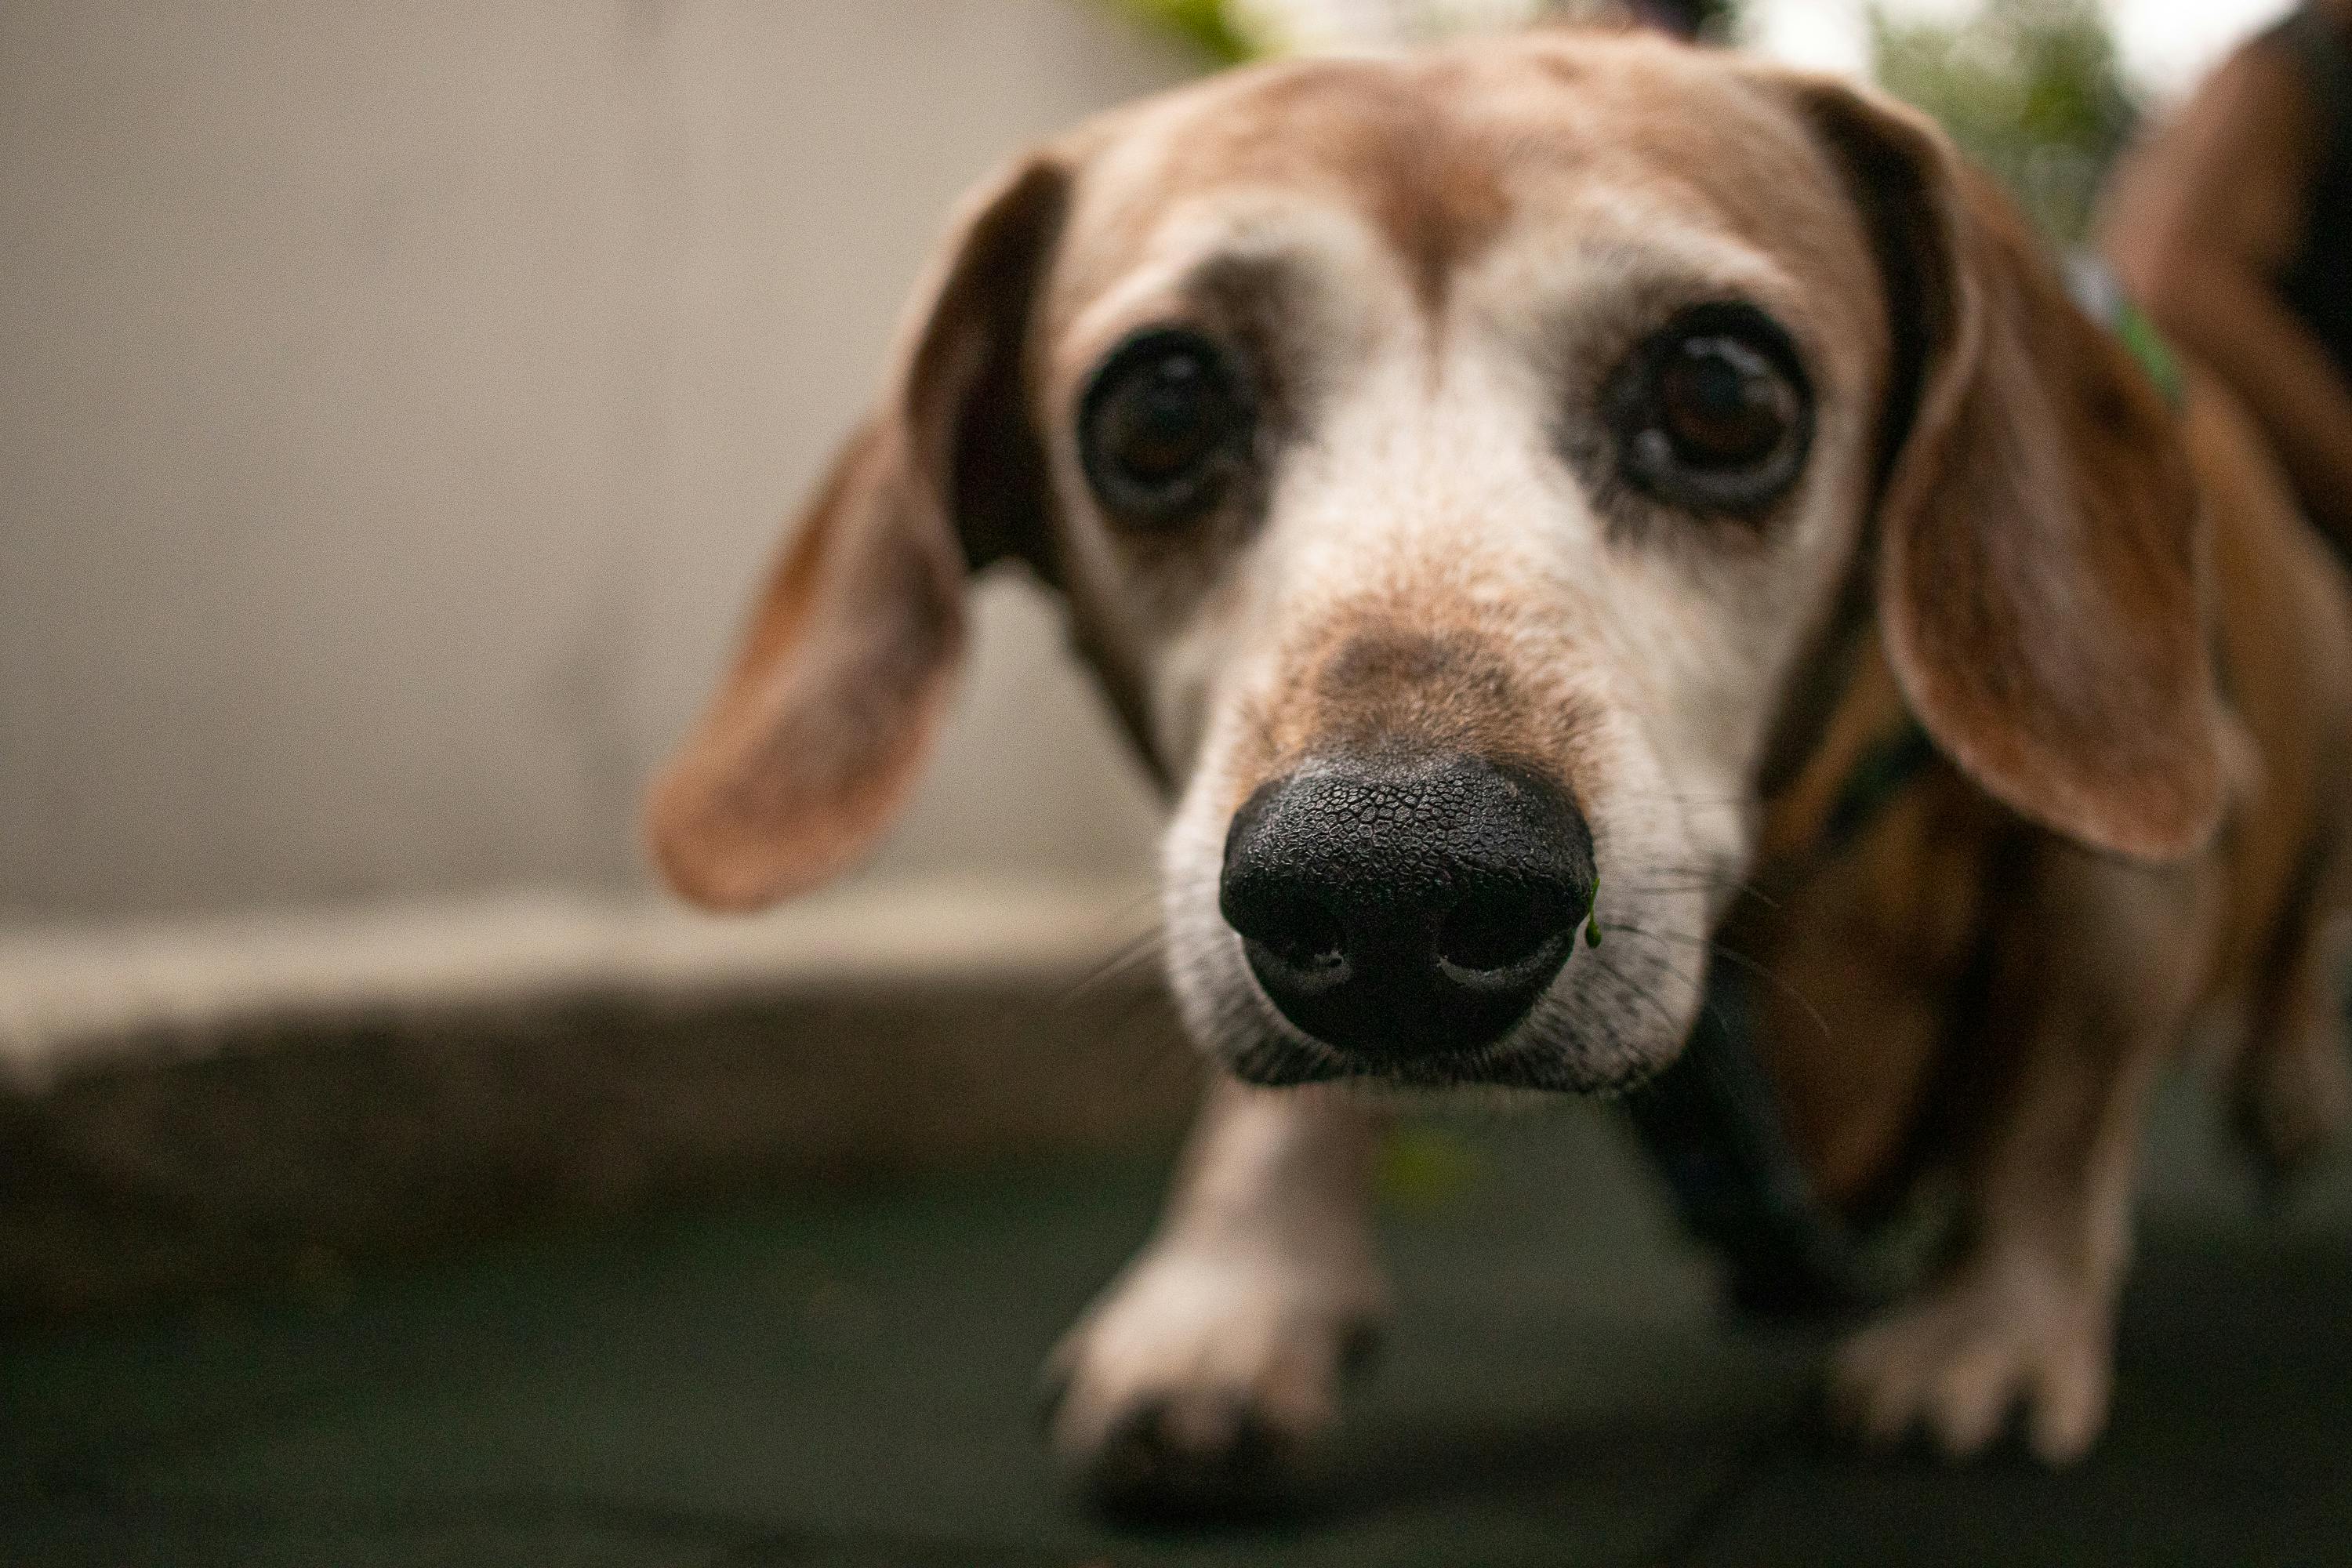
(1712, 413)
(1164, 426)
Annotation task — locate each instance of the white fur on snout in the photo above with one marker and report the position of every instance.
(1439, 488)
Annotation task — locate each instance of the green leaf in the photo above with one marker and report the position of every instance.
(1200, 21)
(2030, 90)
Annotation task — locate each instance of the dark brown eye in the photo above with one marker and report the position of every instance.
(1163, 427)
(1712, 413)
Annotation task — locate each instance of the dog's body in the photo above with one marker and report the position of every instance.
(1525, 483)
(1969, 993)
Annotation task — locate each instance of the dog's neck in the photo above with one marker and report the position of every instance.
(1865, 746)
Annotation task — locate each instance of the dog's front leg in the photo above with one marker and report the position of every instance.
(2091, 988)
(1208, 1371)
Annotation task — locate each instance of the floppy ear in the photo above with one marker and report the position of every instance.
(815, 735)
(2040, 544)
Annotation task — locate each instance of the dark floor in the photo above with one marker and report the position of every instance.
(847, 1380)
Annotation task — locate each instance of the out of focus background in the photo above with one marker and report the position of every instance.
(397, 405)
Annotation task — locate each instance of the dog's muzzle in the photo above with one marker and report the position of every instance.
(1407, 910)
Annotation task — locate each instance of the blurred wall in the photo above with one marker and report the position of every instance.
(397, 403)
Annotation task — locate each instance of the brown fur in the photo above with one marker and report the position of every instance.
(2133, 657)
(1436, 195)
(2037, 986)
(1408, 679)
(2038, 588)
(814, 739)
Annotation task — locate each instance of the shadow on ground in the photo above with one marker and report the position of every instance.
(844, 1380)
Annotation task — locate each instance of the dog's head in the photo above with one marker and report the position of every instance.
(1457, 469)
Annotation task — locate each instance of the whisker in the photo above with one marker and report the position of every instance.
(1744, 962)
(1620, 976)
(1118, 965)
(1695, 886)
(1673, 969)
(1676, 798)
(1701, 879)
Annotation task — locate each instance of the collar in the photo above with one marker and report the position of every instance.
(2100, 295)
(1711, 1123)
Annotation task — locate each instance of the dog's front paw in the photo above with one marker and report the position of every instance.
(1200, 1384)
(1957, 1364)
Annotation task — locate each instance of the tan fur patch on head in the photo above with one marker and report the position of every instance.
(1376, 135)
(1381, 680)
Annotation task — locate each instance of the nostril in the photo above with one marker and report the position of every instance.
(1405, 908)
(1305, 940)
(1494, 934)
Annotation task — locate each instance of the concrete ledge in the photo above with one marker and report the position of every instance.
(200, 1106)
(75, 997)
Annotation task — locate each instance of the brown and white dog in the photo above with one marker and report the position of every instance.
(1521, 482)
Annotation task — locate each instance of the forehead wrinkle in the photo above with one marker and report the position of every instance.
(1607, 259)
(1711, 161)
(1173, 267)
(1612, 239)
(1441, 156)
(1683, 140)
(1383, 137)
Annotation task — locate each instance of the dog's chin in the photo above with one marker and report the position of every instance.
(1602, 1029)
(1280, 1058)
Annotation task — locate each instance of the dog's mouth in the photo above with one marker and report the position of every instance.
(1404, 918)
(1532, 1057)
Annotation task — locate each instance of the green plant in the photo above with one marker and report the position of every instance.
(2029, 89)
(1231, 30)
(1202, 21)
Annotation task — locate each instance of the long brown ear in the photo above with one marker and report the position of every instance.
(2039, 545)
(816, 733)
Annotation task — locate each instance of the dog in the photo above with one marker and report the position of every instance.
(1509, 495)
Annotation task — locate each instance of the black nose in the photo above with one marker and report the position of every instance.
(1407, 910)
